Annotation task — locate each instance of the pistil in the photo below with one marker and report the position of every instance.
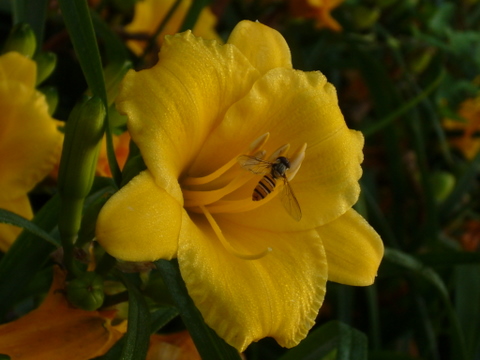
(226, 244)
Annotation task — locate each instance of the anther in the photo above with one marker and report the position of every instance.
(260, 154)
(254, 147)
(258, 143)
(281, 151)
(296, 161)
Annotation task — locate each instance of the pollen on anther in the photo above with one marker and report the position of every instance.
(296, 161)
(281, 151)
(258, 142)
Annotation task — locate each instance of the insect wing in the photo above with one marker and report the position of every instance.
(289, 201)
(255, 165)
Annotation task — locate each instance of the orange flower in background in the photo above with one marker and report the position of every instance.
(58, 331)
(468, 141)
(176, 346)
(470, 239)
(30, 142)
(319, 10)
(121, 146)
(150, 13)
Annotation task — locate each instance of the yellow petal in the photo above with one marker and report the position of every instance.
(327, 183)
(264, 47)
(15, 67)
(8, 233)
(30, 143)
(354, 249)
(173, 106)
(278, 295)
(58, 331)
(141, 222)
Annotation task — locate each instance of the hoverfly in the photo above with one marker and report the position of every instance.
(272, 171)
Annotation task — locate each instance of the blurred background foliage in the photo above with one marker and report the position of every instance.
(407, 74)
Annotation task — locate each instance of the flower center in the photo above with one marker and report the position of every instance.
(239, 184)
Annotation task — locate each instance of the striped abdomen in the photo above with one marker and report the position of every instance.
(264, 187)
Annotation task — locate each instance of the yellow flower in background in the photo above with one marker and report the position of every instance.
(319, 10)
(251, 269)
(149, 14)
(30, 143)
(58, 331)
(468, 141)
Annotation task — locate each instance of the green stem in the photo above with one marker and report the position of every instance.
(208, 343)
(161, 26)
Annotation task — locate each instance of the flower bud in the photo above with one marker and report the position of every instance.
(420, 61)
(83, 133)
(22, 40)
(51, 96)
(442, 184)
(365, 17)
(46, 62)
(86, 291)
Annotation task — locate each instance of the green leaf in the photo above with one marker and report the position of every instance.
(162, 317)
(402, 110)
(333, 340)
(8, 217)
(467, 299)
(79, 25)
(448, 259)
(32, 12)
(464, 184)
(193, 14)
(420, 270)
(116, 51)
(158, 319)
(208, 343)
(390, 355)
(137, 337)
(26, 256)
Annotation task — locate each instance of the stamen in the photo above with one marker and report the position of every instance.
(296, 161)
(258, 143)
(208, 178)
(196, 198)
(260, 154)
(226, 244)
(281, 151)
(255, 146)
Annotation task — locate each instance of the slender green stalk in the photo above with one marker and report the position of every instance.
(83, 133)
(161, 26)
(208, 343)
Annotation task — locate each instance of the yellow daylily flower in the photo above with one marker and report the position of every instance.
(251, 269)
(58, 331)
(150, 13)
(319, 10)
(468, 142)
(30, 143)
